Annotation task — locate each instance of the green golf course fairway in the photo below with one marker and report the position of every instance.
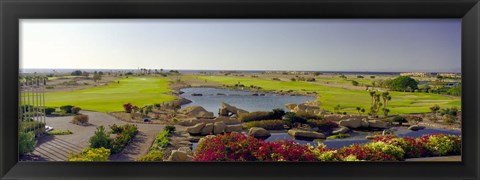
(329, 97)
(139, 91)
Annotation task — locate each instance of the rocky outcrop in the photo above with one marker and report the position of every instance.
(304, 134)
(416, 127)
(340, 130)
(196, 111)
(303, 108)
(227, 120)
(338, 117)
(182, 154)
(378, 124)
(233, 128)
(191, 122)
(351, 123)
(365, 123)
(207, 129)
(219, 127)
(196, 129)
(258, 132)
(228, 110)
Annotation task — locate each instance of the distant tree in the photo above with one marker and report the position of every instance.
(85, 73)
(343, 76)
(355, 83)
(76, 73)
(373, 77)
(316, 73)
(455, 90)
(403, 83)
(386, 98)
(97, 77)
(359, 76)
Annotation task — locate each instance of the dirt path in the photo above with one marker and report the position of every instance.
(58, 148)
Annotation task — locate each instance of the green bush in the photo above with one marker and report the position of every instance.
(277, 113)
(60, 132)
(151, 156)
(322, 125)
(67, 108)
(440, 145)
(389, 149)
(31, 125)
(101, 139)
(49, 110)
(169, 128)
(339, 136)
(125, 135)
(292, 118)
(266, 124)
(26, 142)
(80, 119)
(91, 154)
(256, 116)
(398, 119)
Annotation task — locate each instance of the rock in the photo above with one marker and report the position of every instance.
(227, 120)
(186, 150)
(290, 106)
(340, 130)
(220, 94)
(178, 156)
(386, 132)
(351, 123)
(364, 123)
(207, 129)
(227, 110)
(377, 124)
(180, 102)
(196, 111)
(233, 128)
(197, 94)
(416, 127)
(303, 134)
(196, 129)
(258, 132)
(192, 122)
(205, 138)
(218, 127)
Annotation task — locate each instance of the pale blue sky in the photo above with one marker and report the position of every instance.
(321, 44)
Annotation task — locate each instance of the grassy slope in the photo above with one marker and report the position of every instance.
(136, 90)
(329, 97)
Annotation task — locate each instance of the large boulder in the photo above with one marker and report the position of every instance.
(304, 134)
(258, 132)
(228, 110)
(351, 123)
(233, 128)
(196, 129)
(365, 123)
(196, 111)
(340, 130)
(227, 120)
(207, 129)
(177, 155)
(191, 122)
(218, 127)
(291, 106)
(187, 150)
(416, 127)
(303, 108)
(378, 124)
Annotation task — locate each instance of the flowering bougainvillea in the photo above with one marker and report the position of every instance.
(239, 147)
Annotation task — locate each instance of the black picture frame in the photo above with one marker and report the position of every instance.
(13, 10)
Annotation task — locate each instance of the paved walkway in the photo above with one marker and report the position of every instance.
(58, 148)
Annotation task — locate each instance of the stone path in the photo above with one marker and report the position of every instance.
(58, 148)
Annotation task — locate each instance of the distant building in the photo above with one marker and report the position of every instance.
(416, 74)
(450, 75)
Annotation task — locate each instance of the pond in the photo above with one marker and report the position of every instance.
(357, 137)
(212, 98)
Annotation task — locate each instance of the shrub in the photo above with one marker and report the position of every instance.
(277, 113)
(169, 128)
(413, 147)
(154, 155)
(323, 125)
(355, 83)
(306, 115)
(80, 119)
(128, 107)
(440, 144)
(256, 116)
(292, 118)
(66, 108)
(91, 154)
(392, 150)
(363, 153)
(161, 141)
(266, 124)
(399, 119)
(101, 139)
(60, 132)
(76, 110)
(26, 142)
(49, 110)
(28, 126)
(125, 135)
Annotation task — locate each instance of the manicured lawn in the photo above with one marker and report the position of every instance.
(401, 103)
(136, 90)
